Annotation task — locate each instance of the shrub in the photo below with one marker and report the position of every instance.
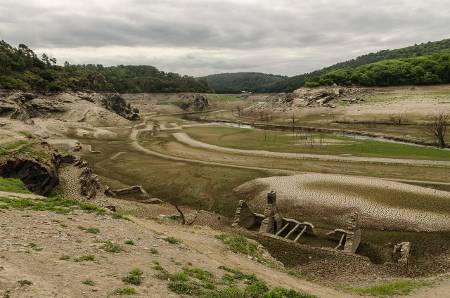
(129, 242)
(88, 282)
(111, 247)
(134, 277)
(24, 282)
(172, 240)
(125, 291)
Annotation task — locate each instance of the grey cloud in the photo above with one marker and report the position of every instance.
(281, 36)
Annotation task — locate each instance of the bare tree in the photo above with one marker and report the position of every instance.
(438, 128)
(183, 218)
(293, 124)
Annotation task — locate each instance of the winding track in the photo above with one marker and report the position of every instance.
(137, 129)
(186, 139)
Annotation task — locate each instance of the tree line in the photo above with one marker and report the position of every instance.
(22, 69)
(420, 70)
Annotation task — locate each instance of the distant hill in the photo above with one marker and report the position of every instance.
(241, 81)
(295, 82)
(22, 69)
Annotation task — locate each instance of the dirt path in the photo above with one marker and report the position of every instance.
(186, 139)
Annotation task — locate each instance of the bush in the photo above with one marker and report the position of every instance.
(134, 277)
(111, 247)
(125, 291)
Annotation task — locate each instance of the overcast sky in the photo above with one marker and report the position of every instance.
(198, 37)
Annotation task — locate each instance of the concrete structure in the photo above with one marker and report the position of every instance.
(271, 222)
(350, 238)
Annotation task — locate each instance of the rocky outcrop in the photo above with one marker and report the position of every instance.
(118, 105)
(194, 102)
(39, 177)
(24, 106)
(89, 183)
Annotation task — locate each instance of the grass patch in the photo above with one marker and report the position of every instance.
(240, 244)
(6, 149)
(117, 215)
(162, 272)
(198, 282)
(86, 258)
(172, 240)
(54, 204)
(24, 282)
(90, 230)
(154, 251)
(26, 134)
(34, 246)
(125, 291)
(185, 287)
(391, 288)
(111, 247)
(13, 185)
(88, 282)
(134, 277)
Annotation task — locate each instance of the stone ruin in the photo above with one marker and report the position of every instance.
(350, 238)
(271, 223)
(401, 252)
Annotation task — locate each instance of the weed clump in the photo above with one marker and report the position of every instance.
(111, 247)
(125, 291)
(134, 277)
(87, 258)
(88, 282)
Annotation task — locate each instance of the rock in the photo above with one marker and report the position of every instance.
(118, 105)
(194, 102)
(135, 189)
(152, 201)
(89, 183)
(111, 208)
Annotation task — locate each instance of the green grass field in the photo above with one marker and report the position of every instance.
(255, 139)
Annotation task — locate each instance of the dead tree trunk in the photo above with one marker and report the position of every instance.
(439, 129)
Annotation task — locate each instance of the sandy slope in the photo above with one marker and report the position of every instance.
(32, 243)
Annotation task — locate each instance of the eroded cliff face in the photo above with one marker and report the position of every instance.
(35, 163)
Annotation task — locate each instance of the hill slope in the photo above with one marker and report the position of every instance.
(295, 82)
(241, 81)
(22, 69)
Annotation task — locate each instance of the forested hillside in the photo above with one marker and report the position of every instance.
(241, 81)
(421, 70)
(292, 83)
(22, 69)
